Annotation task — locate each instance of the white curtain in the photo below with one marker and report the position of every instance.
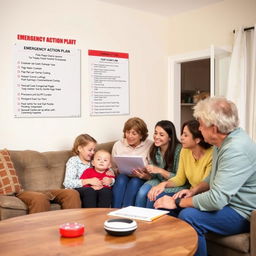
(242, 78)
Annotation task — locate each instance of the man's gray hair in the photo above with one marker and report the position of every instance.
(217, 111)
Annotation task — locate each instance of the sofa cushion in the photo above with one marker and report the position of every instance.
(106, 146)
(240, 242)
(12, 202)
(40, 171)
(9, 181)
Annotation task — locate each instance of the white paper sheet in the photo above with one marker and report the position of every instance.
(126, 164)
(139, 213)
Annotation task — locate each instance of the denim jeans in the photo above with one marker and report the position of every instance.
(142, 195)
(223, 222)
(125, 190)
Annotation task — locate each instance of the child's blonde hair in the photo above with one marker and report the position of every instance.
(82, 140)
(103, 151)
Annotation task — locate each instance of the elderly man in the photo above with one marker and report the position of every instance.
(223, 202)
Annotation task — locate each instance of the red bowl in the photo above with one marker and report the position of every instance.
(71, 229)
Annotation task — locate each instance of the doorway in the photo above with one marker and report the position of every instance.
(217, 58)
(195, 85)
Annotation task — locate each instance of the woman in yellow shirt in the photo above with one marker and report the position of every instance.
(194, 165)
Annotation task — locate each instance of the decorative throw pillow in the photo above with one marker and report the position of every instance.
(9, 182)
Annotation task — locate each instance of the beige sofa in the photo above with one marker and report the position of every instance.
(37, 171)
(236, 245)
(41, 171)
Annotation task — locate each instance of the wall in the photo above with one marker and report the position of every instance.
(149, 40)
(197, 30)
(192, 33)
(95, 25)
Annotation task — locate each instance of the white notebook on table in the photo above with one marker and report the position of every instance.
(138, 213)
(126, 164)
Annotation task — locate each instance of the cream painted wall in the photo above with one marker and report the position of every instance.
(192, 33)
(197, 30)
(95, 25)
(149, 40)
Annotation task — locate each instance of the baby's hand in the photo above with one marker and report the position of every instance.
(95, 182)
(106, 181)
(97, 187)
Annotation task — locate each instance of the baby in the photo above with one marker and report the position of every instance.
(98, 180)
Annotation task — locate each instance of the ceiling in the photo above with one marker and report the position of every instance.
(163, 7)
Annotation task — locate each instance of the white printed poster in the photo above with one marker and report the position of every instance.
(46, 81)
(109, 80)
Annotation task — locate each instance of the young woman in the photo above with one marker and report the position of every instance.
(135, 143)
(194, 165)
(164, 158)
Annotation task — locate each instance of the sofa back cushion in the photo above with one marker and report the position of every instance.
(40, 171)
(106, 146)
(9, 181)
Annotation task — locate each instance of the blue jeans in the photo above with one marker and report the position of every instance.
(142, 195)
(125, 190)
(224, 222)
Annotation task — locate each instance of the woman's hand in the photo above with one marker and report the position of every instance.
(110, 172)
(155, 191)
(141, 174)
(184, 193)
(154, 169)
(166, 202)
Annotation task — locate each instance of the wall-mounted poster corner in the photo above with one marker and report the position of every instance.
(109, 82)
(46, 81)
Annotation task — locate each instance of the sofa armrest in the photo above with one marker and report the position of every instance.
(253, 233)
(12, 202)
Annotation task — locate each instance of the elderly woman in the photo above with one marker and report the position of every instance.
(223, 202)
(135, 143)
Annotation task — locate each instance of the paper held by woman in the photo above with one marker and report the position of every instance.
(126, 164)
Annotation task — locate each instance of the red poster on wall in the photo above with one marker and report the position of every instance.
(109, 80)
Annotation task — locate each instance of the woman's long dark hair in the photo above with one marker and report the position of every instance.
(193, 126)
(169, 127)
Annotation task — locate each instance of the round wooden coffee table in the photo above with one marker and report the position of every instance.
(38, 234)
